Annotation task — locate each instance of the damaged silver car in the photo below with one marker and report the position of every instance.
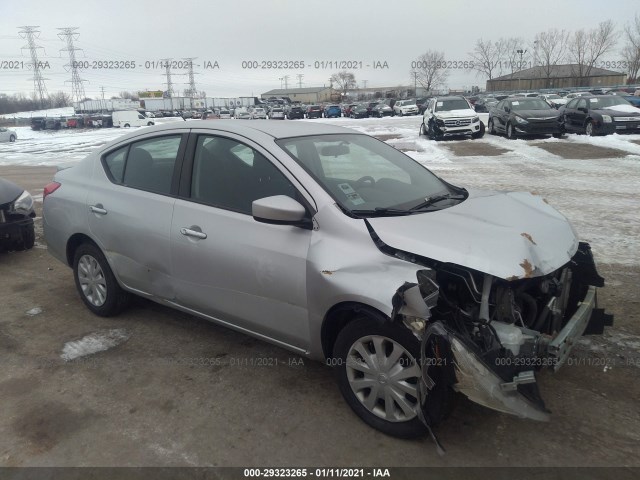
(338, 247)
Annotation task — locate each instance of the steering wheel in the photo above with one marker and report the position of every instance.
(366, 178)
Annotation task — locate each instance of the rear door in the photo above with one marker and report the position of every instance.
(130, 208)
(228, 266)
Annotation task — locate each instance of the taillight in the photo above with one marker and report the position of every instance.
(49, 188)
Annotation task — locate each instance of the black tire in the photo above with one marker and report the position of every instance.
(149, 124)
(422, 130)
(588, 129)
(12, 138)
(510, 132)
(491, 127)
(357, 331)
(28, 238)
(557, 135)
(116, 299)
(126, 125)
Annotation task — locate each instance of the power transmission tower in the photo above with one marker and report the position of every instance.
(39, 88)
(191, 91)
(77, 88)
(286, 82)
(300, 75)
(167, 71)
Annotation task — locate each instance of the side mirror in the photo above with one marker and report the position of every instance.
(507, 109)
(583, 110)
(280, 210)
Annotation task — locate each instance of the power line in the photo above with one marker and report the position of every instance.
(39, 87)
(77, 88)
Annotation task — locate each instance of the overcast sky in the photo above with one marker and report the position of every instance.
(233, 31)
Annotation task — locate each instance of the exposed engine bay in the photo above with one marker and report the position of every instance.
(487, 337)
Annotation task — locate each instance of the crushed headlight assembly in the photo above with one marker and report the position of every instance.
(23, 204)
(606, 119)
(520, 120)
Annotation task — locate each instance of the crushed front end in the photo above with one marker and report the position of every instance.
(491, 335)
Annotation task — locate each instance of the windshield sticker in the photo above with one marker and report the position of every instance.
(515, 103)
(593, 100)
(438, 104)
(351, 194)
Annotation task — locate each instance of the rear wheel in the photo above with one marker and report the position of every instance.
(12, 138)
(96, 283)
(422, 130)
(126, 125)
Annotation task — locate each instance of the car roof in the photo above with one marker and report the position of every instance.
(276, 130)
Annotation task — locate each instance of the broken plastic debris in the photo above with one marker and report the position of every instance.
(34, 311)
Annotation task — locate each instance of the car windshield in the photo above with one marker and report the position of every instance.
(362, 173)
(529, 104)
(603, 102)
(553, 97)
(454, 104)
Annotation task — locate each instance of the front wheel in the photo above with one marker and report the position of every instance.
(12, 138)
(96, 282)
(378, 374)
(479, 133)
(588, 129)
(511, 133)
(492, 128)
(126, 125)
(422, 130)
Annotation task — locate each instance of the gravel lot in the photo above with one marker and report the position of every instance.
(175, 390)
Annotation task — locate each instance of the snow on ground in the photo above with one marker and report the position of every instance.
(94, 343)
(51, 112)
(599, 196)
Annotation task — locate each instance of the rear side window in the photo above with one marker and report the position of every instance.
(150, 164)
(114, 163)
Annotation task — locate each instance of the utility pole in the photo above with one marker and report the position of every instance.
(415, 83)
(300, 75)
(520, 52)
(39, 88)
(104, 105)
(286, 82)
(77, 88)
(281, 80)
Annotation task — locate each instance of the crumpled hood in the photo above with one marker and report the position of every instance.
(506, 234)
(464, 112)
(9, 191)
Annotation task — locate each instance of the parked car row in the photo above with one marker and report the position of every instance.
(588, 114)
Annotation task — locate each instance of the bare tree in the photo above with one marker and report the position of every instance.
(586, 47)
(60, 99)
(485, 58)
(550, 50)
(631, 50)
(513, 55)
(344, 80)
(431, 72)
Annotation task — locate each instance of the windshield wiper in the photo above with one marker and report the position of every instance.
(382, 211)
(438, 198)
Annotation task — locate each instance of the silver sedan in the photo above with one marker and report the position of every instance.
(334, 245)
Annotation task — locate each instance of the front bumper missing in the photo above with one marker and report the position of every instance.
(560, 347)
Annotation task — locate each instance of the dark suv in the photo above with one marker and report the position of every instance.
(314, 111)
(295, 112)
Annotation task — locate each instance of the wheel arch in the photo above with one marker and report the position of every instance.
(74, 242)
(339, 316)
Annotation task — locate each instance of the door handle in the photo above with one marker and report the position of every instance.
(188, 232)
(98, 209)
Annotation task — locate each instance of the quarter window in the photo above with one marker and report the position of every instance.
(150, 164)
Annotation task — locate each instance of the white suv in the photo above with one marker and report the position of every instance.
(450, 116)
(405, 107)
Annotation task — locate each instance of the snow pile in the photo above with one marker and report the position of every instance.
(94, 343)
(51, 112)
